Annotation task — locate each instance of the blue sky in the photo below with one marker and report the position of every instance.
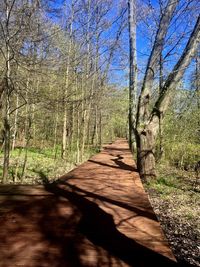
(119, 68)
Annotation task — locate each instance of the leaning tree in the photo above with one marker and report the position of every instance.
(148, 116)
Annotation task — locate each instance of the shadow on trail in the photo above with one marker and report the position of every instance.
(55, 230)
(39, 232)
(137, 210)
(118, 161)
(120, 164)
(99, 227)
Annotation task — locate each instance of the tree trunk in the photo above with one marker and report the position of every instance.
(100, 128)
(78, 138)
(15, 123)
(55, 134)
(95, 128)
(84, 124)
(148, 122)
(64, 135)
(197, 77)
(146, 154)
(72, 127)
(6, 148)
(27, 131)
(6, 119)
(160, 148)
(33, 115)
(132, 71)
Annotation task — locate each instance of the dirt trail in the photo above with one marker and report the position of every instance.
(96, 215)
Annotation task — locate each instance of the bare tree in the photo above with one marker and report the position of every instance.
(8, 87)
(67, 83)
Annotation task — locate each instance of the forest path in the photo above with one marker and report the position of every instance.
(96, 215)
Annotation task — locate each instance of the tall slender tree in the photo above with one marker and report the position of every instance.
(132, 70)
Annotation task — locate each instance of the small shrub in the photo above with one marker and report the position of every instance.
(182, 155)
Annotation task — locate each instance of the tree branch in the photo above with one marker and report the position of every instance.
(178, 71)
(153, 62)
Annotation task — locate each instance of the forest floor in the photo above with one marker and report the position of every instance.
(176, 202)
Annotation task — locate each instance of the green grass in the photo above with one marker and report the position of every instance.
(41, 161)
(171, 180)
(164, 185)
(167, 181)
(175, 187)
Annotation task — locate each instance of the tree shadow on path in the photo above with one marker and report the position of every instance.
(63, 227)
(99, 227)
(120, 165)
(119, 162)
